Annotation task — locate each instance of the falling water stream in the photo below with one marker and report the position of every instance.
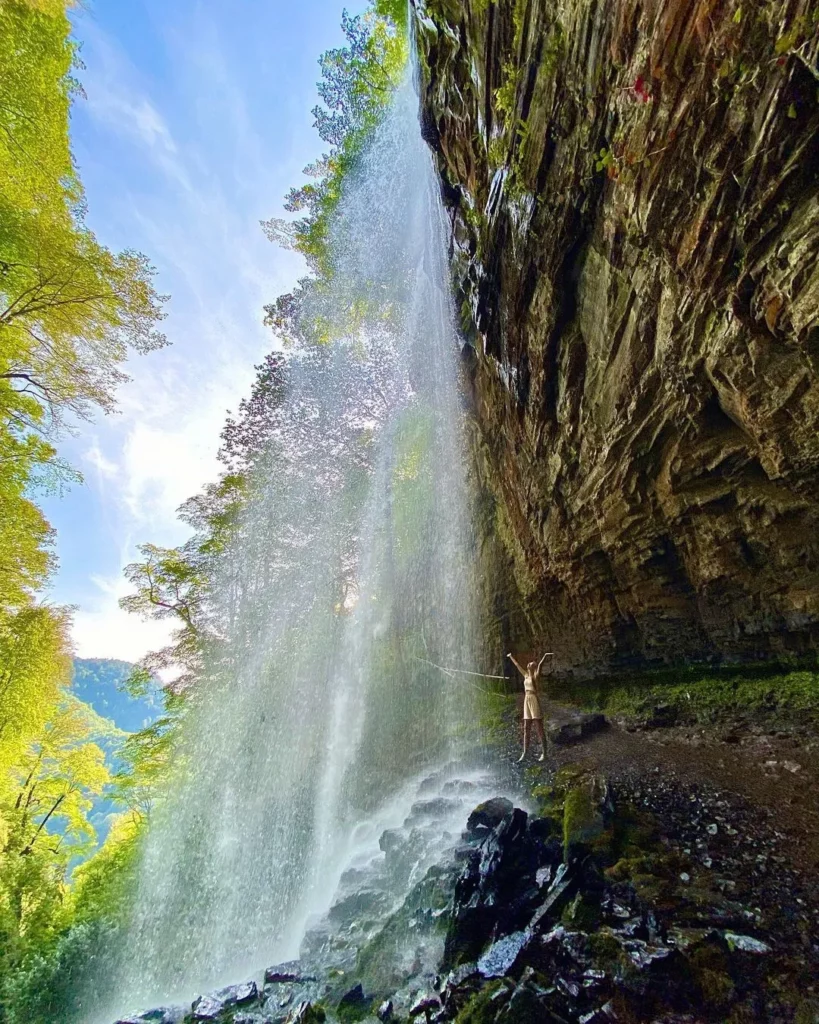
(312, 733)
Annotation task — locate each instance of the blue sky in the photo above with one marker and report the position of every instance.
(196, 121)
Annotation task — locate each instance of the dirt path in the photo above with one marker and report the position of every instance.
(769, 771)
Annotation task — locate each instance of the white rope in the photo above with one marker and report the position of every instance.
(459, 671)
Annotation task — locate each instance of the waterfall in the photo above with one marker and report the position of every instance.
(325, 701)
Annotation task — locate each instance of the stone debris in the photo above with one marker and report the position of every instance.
(354, 1002)
(574, 727)
(489, 814)
(289, 972)
(159, 1015)
(746, 943)
(425, 1006)
(501, 956)
(544, 922)
(212, 1006)
(306, 1013)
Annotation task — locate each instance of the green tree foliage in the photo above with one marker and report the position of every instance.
(71, 311)
(357, 81)
(69, 308)
(175, 583)
(34, 671)
(44, 806)
(317, 405)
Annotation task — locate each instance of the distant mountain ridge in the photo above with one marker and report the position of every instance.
(99, 682)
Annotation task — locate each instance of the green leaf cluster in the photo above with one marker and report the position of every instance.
(357, 83)
(71, 311)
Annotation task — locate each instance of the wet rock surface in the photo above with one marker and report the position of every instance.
(629, 896)
(160, 1015)
(633, 196)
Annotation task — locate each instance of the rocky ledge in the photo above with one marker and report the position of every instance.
(604, 906)
(635, 228)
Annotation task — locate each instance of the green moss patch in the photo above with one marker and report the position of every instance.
(483, 1007)
(698, 694)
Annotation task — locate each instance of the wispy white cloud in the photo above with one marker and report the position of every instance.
(103, 630)
(94, 457)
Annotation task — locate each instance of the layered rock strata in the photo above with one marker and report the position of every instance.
(635, 227)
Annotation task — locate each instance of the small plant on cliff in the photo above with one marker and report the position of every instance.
(606, 162)
(506, 93)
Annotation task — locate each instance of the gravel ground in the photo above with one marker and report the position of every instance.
(730, 803)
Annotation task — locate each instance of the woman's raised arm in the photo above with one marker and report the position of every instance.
(548, 654)
(511, 657)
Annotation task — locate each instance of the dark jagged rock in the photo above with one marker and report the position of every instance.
(213, 1005)
(662, 716)
(558, 894)
(497, 888)
(390, 840)
(289, 972)
(436, 808)
(746, 943)
(499, 959)
(358, 904)
(574, 728)
(425, 1007)
(306, 1013)
(159, 1015)
(489, 814)
(587, 809)
(354, 1004)
(633, 199)
(560, 918)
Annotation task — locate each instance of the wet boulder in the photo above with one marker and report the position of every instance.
(459, 986)
(213, 1005)
(358, 905)
(438, 807)
(561, 889)
(353, 1005)
(306, 1013)
(391, 839)
(500, 958)
(587, 809)
(286, 973)
(425, 1006)
(497, 890)
(746, 944)
(159, 1015)
(574, 727)
(662, 716)
(489, 814)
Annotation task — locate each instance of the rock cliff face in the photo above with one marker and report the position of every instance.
(635, 230)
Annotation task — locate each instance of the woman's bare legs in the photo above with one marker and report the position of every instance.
(542, 737)
(527, 729)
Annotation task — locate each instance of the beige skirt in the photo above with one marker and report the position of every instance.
(531, 707)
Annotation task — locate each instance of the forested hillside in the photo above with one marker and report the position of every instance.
(103, 683)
